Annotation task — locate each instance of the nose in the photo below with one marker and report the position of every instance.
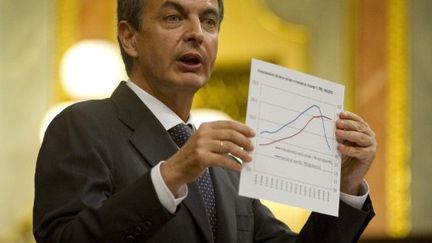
(194, 32)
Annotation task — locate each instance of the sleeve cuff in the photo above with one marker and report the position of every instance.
(167, 199)
(356, 201)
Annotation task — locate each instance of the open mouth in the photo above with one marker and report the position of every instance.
(190, 59)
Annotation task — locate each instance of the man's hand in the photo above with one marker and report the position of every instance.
(357, 145)
(207, 147)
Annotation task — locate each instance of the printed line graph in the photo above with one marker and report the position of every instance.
(294, 129)
(321, 116)
(295, 160)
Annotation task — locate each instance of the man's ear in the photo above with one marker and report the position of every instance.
(127, 37)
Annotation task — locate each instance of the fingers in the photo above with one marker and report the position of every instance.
(347, 115)
(351, 122)
(223, 161)
(363, 154)
(350, 125)
(352, 128)
(234, 137)
(210, 144)
(355, 138)
(230, 131)
(226, 137)
(228, 147)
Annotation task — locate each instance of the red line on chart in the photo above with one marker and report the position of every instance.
(295, 134)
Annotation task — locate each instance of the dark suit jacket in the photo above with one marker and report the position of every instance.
(93, 184)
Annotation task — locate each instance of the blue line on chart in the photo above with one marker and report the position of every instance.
(295, 119)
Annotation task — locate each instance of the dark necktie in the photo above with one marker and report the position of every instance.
(180, 134)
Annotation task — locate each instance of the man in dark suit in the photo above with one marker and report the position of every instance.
(128, 168)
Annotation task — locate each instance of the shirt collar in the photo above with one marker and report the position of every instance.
(165, 115)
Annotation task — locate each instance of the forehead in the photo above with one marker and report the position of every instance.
(155, 5)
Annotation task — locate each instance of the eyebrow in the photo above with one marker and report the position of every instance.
(177, 6)
(174, 5)
(211, 11)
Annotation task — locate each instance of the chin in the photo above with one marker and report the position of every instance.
(192, 81)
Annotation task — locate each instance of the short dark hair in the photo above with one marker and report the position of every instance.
(131, 11)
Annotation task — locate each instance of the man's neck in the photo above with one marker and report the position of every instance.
(179, 102)
(180, 105)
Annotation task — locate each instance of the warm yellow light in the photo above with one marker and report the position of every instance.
(91, 69)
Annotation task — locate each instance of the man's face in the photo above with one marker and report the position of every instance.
(177, 44)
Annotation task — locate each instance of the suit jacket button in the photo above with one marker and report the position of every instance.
(130, 238)
(138, 229)
(147, 225)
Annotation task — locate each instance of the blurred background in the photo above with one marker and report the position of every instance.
(54, 53)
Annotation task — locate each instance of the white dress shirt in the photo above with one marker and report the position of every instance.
(169, 119)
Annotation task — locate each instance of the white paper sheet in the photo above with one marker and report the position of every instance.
(295, 160)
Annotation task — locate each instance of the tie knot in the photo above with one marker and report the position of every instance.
(180, 133)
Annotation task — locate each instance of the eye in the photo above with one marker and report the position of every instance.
(172, 18)
(210, 23)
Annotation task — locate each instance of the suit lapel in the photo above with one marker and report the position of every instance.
(151, 139)
(195, 204)
(153, 145)
(225, 206)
